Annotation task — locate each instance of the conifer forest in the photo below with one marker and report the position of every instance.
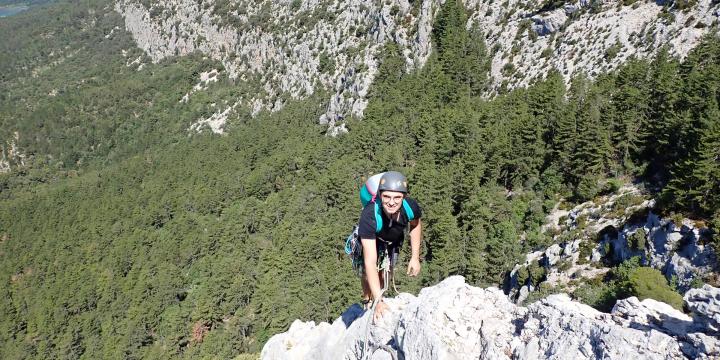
(125, 236)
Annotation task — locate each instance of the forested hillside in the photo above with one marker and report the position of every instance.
(125, 235)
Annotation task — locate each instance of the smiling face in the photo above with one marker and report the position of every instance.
(391, 201)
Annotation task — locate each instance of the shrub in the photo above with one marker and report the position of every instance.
(581, 221)
(586, 248)
(550, 5)
(637, 240)
(612, 186)
(697, 282)
(677, 219)
(586, 189)
(649, 283)
(564, 265)
(597, 293)
(523, 275)
(543, 291)
(536, 272)
(607, 251)
(547, 52)
(612, 51)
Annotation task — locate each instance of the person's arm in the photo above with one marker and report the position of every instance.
(370, 261)
(415, 240)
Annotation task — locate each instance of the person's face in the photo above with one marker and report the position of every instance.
(391, 201)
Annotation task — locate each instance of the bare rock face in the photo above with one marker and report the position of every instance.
(294, 48)
(705, 306)
(652, 314)
(291, 48)
(549, 23)
(616, 228)
(453, 320)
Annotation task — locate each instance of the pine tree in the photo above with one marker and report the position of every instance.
(630, 113)
(696, 175)
(529, 145)
(663, 121)
(592, 152)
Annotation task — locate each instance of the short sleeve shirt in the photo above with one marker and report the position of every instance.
(392, 232)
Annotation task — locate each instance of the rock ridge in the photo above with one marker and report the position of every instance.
(453, 320)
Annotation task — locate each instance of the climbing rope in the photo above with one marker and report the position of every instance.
(386, 274)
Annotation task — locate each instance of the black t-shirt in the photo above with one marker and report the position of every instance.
(392, 232)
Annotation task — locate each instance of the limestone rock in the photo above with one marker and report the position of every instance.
(705, 306)
(453, 320)
(308, 46)
(549, 23)
(652, 314)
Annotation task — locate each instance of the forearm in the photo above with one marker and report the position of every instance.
(415, 240)
(370, 261)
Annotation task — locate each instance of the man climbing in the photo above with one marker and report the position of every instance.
(381, 229)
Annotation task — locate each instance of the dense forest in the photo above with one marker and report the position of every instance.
(126, 236)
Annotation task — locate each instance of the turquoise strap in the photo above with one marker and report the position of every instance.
(378, 219)
(408, 210)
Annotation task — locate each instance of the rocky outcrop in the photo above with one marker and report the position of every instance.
(9, 154)
(594, 236)
(293, 49)
(705, 304)
(453, 320)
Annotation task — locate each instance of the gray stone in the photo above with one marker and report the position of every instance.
(571, 8)
(652, 314)
(523, 293)
(705, 306)
(549, 23)
(552, 254)
(701, 346)
(453, 320)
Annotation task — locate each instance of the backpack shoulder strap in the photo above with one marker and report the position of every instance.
(408, 210)
(378, 219)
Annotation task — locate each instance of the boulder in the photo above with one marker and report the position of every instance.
(652, 314)
(548, 23)
(704, 303)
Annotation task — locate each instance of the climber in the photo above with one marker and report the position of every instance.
(381, 229)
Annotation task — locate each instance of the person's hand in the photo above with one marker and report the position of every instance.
(380, 308)
(413, 267)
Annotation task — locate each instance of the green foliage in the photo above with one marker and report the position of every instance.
(585, 252)
(543, 291)
(550, 5)
(637, 240)
(628, 279)
(611, 186)
(645, 282)
(697, 282)
(536, 272)
(202, 246)
(587, 189)
(598, 293)
(612, 51)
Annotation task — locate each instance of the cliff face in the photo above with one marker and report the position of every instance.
(453, 320)
(291, 48)
(295, 48)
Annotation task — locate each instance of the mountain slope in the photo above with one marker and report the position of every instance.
(292, 49)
